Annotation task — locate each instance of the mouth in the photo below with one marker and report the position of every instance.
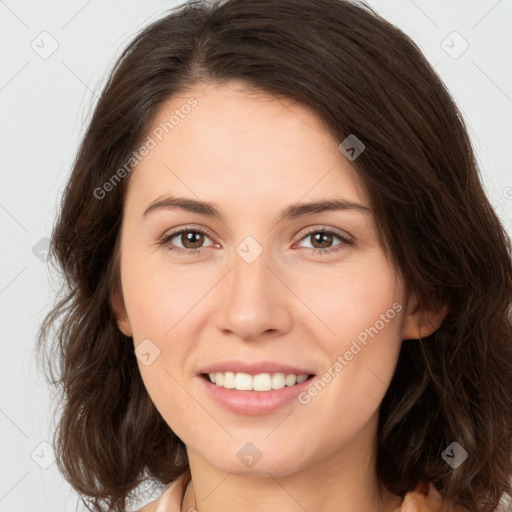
(253, 395)
(263, 382)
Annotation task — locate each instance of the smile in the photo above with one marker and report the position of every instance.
(250, 401)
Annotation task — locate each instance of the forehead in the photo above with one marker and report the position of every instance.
(216, 139)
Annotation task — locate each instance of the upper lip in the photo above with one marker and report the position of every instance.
(254, 368)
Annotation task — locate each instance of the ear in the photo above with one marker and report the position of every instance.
(420, 324)
(119, 310)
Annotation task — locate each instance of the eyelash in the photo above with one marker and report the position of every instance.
(345, 241)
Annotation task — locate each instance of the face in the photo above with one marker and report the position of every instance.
(312, 290)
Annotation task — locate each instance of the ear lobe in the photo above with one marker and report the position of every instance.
(420, 324)
(119, 310)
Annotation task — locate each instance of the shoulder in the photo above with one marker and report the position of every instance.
(153, 506)
(426, 498)
(171, 498)
(149, 507)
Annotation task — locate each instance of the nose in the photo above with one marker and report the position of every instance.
(253, 300)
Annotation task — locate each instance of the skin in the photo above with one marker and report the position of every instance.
(253, 155)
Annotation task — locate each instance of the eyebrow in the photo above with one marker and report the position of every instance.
(291, 212)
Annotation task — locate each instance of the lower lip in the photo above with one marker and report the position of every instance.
(253, 403)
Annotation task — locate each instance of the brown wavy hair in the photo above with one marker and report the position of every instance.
(360, 75)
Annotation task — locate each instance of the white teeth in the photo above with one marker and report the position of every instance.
(262, 382)
(290, 380)
(229, 380)
(243, 381)
(259, 382)
(278, 380)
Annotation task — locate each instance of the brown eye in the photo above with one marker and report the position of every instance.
(191, 240)
(322, 241)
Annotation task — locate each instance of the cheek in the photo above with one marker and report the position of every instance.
(360, 356)
(156, 298)
(354, 299)
(361, 311)
(160, 305)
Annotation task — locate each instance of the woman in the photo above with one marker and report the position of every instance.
(286, 288)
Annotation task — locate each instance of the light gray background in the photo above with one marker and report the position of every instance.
(45, 103)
